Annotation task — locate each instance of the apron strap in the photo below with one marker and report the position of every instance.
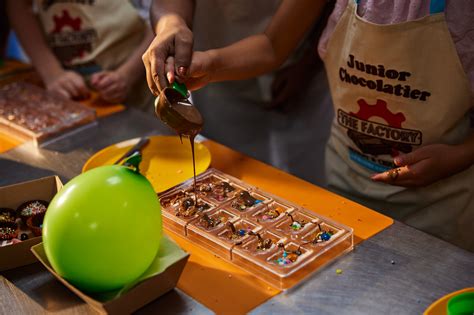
(436, 6)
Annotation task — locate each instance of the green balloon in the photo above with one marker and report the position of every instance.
(103, 229)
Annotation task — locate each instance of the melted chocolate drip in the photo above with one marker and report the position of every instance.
(176, 111)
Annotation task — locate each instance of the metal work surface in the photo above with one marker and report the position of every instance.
(399, 271)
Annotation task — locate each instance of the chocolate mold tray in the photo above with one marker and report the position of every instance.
(28, 112)
(179, 208)
(274, 239)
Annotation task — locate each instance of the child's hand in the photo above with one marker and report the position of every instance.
(425, 166)
(68, 84)
(112, 86)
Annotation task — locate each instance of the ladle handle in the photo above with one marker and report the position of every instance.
(181, 88)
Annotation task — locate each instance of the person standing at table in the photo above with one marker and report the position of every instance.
(401, 75)
(266, 115)
(77, 46)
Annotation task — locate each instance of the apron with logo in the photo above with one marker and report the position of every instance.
(396, 88)
(90, 36)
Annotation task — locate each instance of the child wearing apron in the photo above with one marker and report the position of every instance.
(400, 141)
(399, 88)
(98, 40)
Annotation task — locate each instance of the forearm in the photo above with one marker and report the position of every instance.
(252, 56)
(264, 52)
(163, 10)
(28, 30)
(133, 68)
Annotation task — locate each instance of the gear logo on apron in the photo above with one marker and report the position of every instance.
(68, 40)
(377, 138)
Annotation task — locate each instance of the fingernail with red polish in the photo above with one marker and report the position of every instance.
(182, 71)
(398, 161)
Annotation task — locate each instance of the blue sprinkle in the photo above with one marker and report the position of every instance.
(241, 232)
(285, 254)
(325, 236)
(258, 201)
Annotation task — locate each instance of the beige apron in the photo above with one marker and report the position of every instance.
(395, 88)
(88, 36)
(81, 32)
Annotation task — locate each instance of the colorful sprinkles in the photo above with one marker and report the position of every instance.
(32, 208)
(188, 207)
(296, 225)
(321, 236)
(244, 201)
(263, 243)
(210, 222)
(288, 257)
(270, 214)
(8, 230)
(236, 233)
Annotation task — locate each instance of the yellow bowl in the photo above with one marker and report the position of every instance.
(166, 161)
(439, 307)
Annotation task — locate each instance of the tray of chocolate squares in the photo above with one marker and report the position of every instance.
(274, 239)
(28, 112)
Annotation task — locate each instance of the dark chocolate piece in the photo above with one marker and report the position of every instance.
(35, 224)
(32, 208)
(8, 230)
(7, 215)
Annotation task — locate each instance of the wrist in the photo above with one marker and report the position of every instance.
(213, 65)
(49, 71)
(127, 74)
(169, 20)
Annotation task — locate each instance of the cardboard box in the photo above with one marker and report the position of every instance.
(16, 255)
(139, 295)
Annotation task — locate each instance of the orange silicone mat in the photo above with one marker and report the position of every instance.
(225, 288)
(102, 108)
(7, 142)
